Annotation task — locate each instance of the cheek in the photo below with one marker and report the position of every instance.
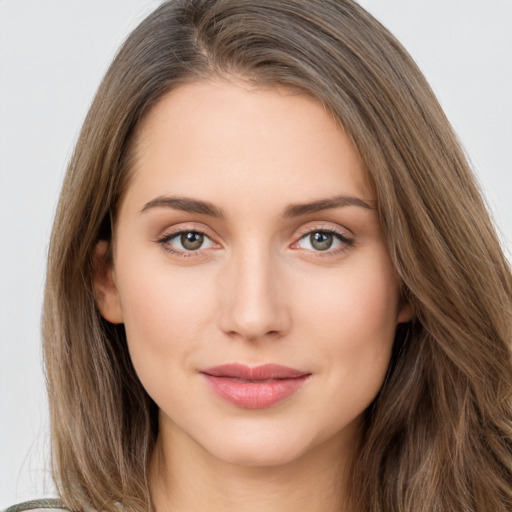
(353, 322)
(361, 297)
(165, 313)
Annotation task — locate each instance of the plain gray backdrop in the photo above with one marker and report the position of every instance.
(53, 54)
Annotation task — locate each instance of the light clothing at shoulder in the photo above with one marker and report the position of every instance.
(44, 505)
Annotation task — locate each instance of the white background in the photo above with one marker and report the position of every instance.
(53, 54)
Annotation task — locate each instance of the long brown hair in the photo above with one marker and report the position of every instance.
(439, 435)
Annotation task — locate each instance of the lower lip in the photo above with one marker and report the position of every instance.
(254, 395)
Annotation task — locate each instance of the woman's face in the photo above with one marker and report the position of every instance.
(247, 237)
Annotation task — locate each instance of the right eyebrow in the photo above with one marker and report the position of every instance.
(296, 210)
(184, 204)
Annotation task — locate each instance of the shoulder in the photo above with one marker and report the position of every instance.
(45, 505)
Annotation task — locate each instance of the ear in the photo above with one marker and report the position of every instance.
(405, 313)
(105, 289)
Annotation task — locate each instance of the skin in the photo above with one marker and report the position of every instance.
(257, 291)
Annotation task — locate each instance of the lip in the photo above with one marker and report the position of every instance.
(255, 387)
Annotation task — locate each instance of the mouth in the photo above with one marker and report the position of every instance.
(254, 387)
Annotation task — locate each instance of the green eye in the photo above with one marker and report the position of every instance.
(320, 240)
(191, 240)
(186, 242)
(324, 240)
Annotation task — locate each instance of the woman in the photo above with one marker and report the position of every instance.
(272, 280)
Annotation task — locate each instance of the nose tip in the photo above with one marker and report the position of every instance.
(254, 306)
(252, 323)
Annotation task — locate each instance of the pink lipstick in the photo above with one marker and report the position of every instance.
(254, 387)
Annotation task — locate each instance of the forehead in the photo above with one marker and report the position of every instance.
(211, 136)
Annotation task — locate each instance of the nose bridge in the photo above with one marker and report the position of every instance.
(254, 306)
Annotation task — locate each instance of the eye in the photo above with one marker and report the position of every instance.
(324, 240)
(182, 242)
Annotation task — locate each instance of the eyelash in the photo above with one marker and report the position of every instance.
(341, 237)
(346, 242)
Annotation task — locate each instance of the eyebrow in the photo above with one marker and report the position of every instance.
(296, 210)
(187, 204)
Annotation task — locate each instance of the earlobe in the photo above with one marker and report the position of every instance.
(105, 289)
(405, 313)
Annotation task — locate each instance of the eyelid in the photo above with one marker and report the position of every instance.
(170, 233)
(311, 228)
(346, 239)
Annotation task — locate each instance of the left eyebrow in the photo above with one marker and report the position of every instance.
(185, 204)
(296, 210)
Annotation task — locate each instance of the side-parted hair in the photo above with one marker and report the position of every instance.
(438, 437)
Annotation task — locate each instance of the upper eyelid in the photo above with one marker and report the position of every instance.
(342, 232)
(330, 229)
(171, 232)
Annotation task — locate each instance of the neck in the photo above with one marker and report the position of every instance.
(186, 478)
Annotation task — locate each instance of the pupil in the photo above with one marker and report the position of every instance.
(321, 241)
(191, 240)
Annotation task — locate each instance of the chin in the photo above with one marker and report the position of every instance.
(255, 455)
(260, 447)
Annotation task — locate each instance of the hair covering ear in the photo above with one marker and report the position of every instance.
(105, 289)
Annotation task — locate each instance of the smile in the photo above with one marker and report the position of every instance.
(254, 388)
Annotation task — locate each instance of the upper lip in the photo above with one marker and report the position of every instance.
(255, 373)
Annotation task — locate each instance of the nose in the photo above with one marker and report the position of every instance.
(254, 302)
